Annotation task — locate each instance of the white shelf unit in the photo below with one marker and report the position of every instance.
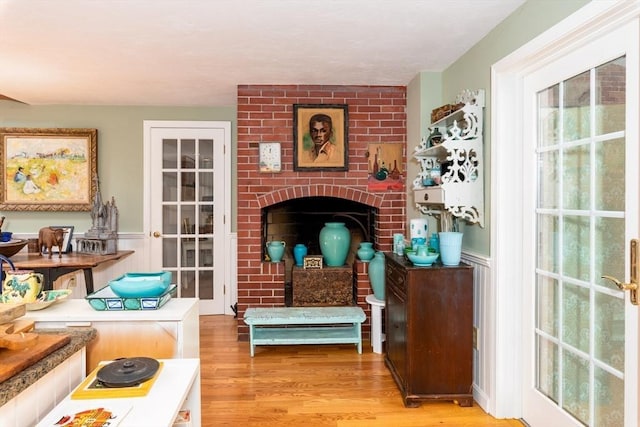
(177, 387)
(461, 191)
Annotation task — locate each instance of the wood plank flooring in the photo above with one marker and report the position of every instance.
(309, 386)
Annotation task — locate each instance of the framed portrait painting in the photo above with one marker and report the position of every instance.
(320, 137)
(47, 169)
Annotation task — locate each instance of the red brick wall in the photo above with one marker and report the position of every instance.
(265, 114)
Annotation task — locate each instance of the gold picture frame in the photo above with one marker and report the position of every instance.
(48, 169)
(320, 137)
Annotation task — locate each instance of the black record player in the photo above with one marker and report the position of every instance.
(127, 372)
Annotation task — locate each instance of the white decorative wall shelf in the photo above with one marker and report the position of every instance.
(456, 162)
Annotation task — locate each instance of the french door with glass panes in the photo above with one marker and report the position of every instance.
(188, 205)
(580, 340)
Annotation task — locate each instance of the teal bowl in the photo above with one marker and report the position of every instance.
(141, 285)
(422, 260)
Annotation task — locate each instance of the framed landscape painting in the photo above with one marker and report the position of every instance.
(47, 169)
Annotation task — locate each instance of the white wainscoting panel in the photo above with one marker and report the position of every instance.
(481, 321)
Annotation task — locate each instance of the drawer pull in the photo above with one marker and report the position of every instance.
(77, 324)
(426, 196)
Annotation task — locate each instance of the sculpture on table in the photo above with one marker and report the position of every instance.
(102, 238)
(48, 237)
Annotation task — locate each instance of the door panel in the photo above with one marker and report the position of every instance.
(581, 330)
(578, 344)
(188, 207)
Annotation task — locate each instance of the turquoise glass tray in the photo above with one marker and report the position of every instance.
(105, 300)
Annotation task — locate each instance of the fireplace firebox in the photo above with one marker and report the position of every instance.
(300, 221)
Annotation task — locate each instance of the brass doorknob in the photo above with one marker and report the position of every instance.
(156, 234)
(632, 286)
(622, 286)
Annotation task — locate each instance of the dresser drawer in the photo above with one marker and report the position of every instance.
(395, 279)
(429, 195)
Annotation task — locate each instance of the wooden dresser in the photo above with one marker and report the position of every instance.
(429, 331)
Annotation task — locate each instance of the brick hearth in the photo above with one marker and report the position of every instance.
(377, 114)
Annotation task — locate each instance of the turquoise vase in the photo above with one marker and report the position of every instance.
(299, 252)
(365, 251)
(376, 275)
(335, 241)
(275, 250)
(450, 247)
(434, 242)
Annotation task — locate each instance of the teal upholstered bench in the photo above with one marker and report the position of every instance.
(304, 325)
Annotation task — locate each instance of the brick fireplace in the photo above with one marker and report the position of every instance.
(377, 114)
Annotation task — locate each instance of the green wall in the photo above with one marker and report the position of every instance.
(120, 151)
(424, 93)
(473, 71)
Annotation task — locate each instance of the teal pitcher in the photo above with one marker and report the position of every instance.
(275, 249)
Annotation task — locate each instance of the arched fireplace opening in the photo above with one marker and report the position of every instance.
(300, 221)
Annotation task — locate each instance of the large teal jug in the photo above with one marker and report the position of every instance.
(335, 241)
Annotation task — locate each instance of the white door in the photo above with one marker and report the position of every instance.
(581, 146)
(188, 207)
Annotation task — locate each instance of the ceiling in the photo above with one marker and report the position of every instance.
(196, 52)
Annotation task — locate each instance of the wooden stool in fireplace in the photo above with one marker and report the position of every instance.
(304, 325)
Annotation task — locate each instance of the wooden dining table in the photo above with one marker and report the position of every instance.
(54, 267)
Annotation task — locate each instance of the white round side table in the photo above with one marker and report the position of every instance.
(377, 337)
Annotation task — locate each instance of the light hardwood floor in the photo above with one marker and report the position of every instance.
(309, 385)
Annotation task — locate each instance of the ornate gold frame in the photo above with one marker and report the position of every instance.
(47, 169)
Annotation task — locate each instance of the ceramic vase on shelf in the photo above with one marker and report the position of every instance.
(275, 249)
(335, 241)
(299, 252)
(376, 275)
(450, 247)
(365, 251)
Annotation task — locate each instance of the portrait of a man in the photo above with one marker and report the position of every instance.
(320, 137)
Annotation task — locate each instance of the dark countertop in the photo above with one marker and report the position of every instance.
(80, 337)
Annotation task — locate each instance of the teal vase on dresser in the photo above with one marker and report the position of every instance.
(450, 247)
(377, 275)
(335, 241)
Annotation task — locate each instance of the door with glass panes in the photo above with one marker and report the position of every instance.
(580, 342)
(188, 207)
